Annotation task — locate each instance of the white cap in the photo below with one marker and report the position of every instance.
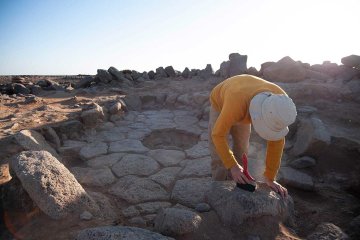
(271, 114)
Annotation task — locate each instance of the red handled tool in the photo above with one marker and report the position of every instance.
(246, 186)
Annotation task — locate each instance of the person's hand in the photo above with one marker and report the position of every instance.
(237, 173)
(277, 187)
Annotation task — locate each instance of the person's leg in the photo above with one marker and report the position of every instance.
(240, 134)
(218, 171)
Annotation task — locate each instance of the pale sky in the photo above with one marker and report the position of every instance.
(78, 37)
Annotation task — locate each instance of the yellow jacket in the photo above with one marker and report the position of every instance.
(231, 98)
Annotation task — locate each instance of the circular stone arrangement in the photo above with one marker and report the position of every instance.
(172, 139)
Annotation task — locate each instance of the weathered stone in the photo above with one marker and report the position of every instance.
(145, 208)
(295, 178)
(197, 168)
(71, 129)
(285, 70)
(202, 207)
(235, 206)
(174, 221)
(224, 69)
(84, 82)
(199, 150)
(133, 102)
(354, 228)
(127, 145)
(51, 136)
(93, 116)
(108, 211)
(137, 222)
(167, 157)
(115, 108)
(118, 233)
(166, 176)
(185, 73)
(347, 73)
(328, 231)
(170, 72)
(71, 147)
(104, 76)
(136, 190)
(20, 89)
(151, 74)
(207, 72)
(191, 191)
(93, 177)
(50, 184)
(160, 73)
(135, 164)
(93, 149)
(253, 71)
(311, 139)
(86, 215)
(351, 61)
(105, 160)
(237, 64)
(33, 141)
(303, 162)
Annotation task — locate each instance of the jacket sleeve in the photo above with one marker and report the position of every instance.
(229, 115)
(274, 152)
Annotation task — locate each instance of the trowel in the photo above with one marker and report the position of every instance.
(246, 186)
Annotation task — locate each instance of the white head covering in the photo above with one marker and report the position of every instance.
(271, 114)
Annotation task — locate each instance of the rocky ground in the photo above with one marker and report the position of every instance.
(126, 154)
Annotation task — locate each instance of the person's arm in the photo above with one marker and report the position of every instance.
(273, 159)
(274, 152)
(230, 113)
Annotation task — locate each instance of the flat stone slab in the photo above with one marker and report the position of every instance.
(135, 164)
(127, 145)
(136, 190)
(51, 185)
(197, 168)
(199, 150)
(167, 158)
(166, 176)
(94, 177)
(93, 149)
(234, 206)
(145, 208)
(105, 160)
(119, 233)
(191, 191)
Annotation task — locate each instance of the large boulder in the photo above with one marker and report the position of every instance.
(118, 75)
(185, 73)
(175, 221)
(119, 233)
(84, 82)
(235, 206)
(294, 178)
(31, 140)
(207, 72)
(347, 73)
(160, 73)
(224, 69)
(237, 64)
(170, 72)
(151, 74)
(285, 70)
(312, 138)
(351, 61)
(93, 116)
(50, 185)
(104, 76)
(20, 89)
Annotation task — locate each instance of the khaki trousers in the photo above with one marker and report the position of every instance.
(240, 134)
